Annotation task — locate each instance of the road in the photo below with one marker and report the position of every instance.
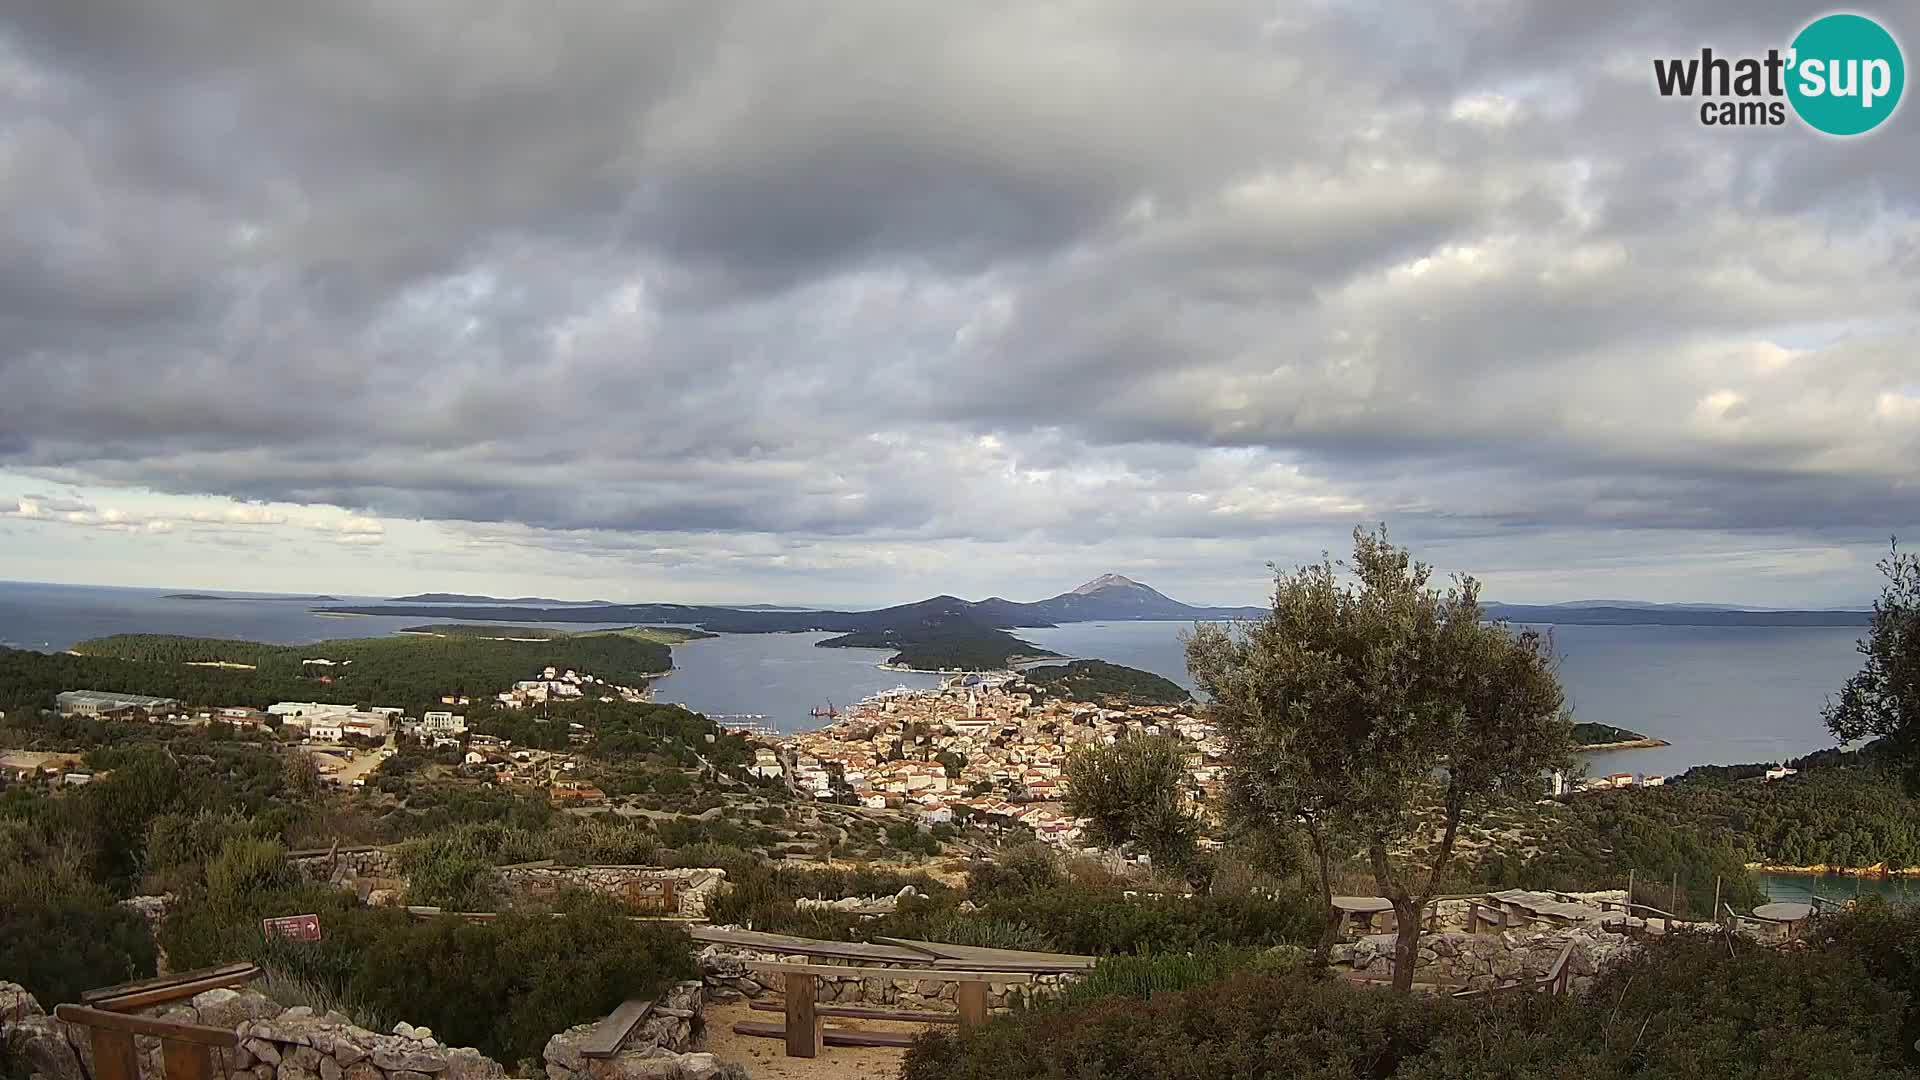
(364, 762)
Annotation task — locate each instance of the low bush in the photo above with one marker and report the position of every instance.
(1682, 1009)
(61, 934)
(1080, 919)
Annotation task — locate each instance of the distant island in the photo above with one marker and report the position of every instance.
(216, 596)
(1107, 684)
(471, 598)
(950, 643)
(659, 635)
(1608, 737)
(947, 633)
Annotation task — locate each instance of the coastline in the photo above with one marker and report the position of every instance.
(1877, 870)
(1648, 743)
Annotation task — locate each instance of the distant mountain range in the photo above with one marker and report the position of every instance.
(1109, 597)
(470, 598)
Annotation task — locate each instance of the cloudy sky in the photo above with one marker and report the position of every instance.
(864, 301)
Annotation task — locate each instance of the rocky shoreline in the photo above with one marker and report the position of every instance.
(1647, 743)
(1877, 870)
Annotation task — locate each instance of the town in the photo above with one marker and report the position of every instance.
(982, 748)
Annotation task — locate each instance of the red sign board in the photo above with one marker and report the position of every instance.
(292, 927)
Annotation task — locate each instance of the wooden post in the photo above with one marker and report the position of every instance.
(1630, 894)
(803, 1024)
(113, 1056)
(972, 1000)
(669, 903)
(1673, 897)
(1716, 898)
(185, 1060)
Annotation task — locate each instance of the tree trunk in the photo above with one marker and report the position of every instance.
(1330, 931)
(1406, 943)
(1406, 910)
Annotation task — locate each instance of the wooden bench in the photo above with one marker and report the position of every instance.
(128, 996)
(605, 1039)
(186, 1050)
(804, 1033)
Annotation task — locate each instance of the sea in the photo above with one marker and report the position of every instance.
(1717, 695)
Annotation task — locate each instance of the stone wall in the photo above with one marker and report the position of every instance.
(279, 1043)
(375, 876)
(692, 888)
(724, 970)
(275, 1044)
(1477, 961)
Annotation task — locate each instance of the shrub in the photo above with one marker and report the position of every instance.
(956, 928)
(61, 934)
(1015, 871)
(1104, 922)
(452, 871)
(506, 986)
(1681, 1009)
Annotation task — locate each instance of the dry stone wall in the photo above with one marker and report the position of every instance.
(275, 1044)
(376, 877)
(723, 968)
(1478, 961)
(296, 1043)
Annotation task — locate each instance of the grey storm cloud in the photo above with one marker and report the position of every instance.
(987, 272)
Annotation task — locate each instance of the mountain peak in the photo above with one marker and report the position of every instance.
(1107, 581)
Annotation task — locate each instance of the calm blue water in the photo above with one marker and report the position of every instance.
(1719, 695)
(1802, 887)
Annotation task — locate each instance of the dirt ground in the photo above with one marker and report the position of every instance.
(766, 1059)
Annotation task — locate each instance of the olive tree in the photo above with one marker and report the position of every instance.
(1883, 698)
(1377, 712)
(1134, 794)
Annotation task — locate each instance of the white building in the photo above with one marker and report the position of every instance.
(310, 710)
(327, 730)
(442, 723)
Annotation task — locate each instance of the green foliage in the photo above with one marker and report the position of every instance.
(1103, 921)
(410, 671)
(1016, 870)
(61, 934)
(1134, 793)
(1883, 698)
(987, 932)
(1680, 1010)
(1104, 683)
(1143, 976)
(953, 645)
(506, 986)
(1588, 734)
(1367, 697)
(1598, 839)
(452, 871)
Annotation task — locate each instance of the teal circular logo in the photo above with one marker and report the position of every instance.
(1846, 74)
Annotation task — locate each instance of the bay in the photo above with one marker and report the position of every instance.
(1720, 695)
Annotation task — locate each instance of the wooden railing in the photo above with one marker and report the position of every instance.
(804, 1033)
(186, 1050)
